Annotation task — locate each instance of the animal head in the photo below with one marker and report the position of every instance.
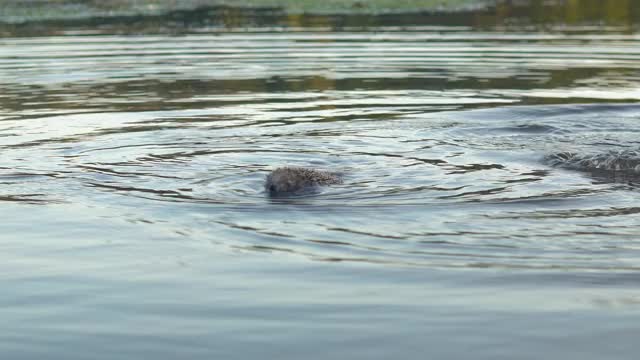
(284, 182)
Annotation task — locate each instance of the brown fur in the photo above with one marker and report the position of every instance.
(294, 180)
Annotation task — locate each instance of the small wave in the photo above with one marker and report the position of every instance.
(621, 163)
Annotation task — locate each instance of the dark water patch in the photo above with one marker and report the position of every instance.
(584, 213)
(32, 199)
(523, 113)
(523, 129)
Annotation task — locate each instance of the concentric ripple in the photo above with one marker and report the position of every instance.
(441, 135)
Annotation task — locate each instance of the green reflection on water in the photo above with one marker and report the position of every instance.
(570, 16)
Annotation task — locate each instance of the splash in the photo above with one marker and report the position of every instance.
(625, 162)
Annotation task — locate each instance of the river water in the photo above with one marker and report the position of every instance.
(135, 223)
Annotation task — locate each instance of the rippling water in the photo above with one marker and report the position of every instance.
(135, 219)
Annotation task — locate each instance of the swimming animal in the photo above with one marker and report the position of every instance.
(616, 166)
(620, 161)
(296, 180)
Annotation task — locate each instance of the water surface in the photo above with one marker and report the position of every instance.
(135, 223)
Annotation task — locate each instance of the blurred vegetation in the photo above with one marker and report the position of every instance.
(33, 10)
(569, 12)
(237, 13)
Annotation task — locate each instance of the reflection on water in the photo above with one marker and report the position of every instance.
(203, 119)
(133, 167)
(173, 128)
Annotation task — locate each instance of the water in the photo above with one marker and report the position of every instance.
(135, 223)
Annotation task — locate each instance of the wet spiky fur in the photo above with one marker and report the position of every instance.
(627, 161)
(295, 180)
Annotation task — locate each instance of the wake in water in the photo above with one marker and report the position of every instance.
(622, 165)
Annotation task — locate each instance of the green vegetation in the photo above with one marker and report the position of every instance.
(143, 15)
(358, 6)
(13, 11)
